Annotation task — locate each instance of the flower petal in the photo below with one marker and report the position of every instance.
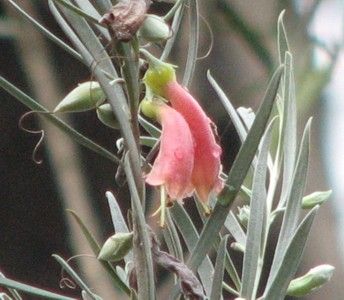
(207, 163)
(174, 163)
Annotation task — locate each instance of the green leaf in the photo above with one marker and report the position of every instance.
(289, 124)
(216, 289)
(88, 235)
(118, 220)
(177, 19)
(239, 126)
(290, 260)
(257, 219)
(75, 135)
(293, 209)
(236, 175)
(149, 127)
(282, 39)
(235, 229)
(172, 238)
(193, 42)
(12, 284)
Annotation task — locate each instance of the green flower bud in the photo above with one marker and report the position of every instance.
(313, 280)
(149, 108)
(106, 116)
(238, 247)
(154, 29)
(116, 247)
(158, 75)
(244, 215)
(316, 198)
(85, 96)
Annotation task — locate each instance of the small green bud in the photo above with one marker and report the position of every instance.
(116, 247)
(106, 116)
(149, 108)
(154, 29)
(316, 198)
(238, 247)
(85, 96)
(158, 75)
(311, 281)
(244, 215)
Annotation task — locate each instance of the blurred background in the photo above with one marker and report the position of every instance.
(33, 198)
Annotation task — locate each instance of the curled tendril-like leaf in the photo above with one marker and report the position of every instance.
(66, 282)
(32, 131)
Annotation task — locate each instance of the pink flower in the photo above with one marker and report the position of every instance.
(207, 163)
(174, 163)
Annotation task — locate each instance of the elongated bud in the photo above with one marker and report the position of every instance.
(244, 215)
(313, 280)
(85, 96)
(154, 29)
(158, 75)
(106, 116)
(316, 198)
(116, 247)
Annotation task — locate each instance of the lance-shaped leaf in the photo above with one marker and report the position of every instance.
(216, 290)
(37, 292)
(290, 260)
(293, 209)
(255, 231)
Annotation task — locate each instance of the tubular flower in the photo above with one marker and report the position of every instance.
(207, 163)
(160, 79)
(174, 164)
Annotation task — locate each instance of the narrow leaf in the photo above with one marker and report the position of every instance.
(12, 284)
(293, 209)
(235, 229)
(289, 124)
(216, 289)
(177, 19)
(257, 218)
(239, 126)
(118, 220)
(291, 259)
(282, 39)
(193, 42)
(149, 127)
